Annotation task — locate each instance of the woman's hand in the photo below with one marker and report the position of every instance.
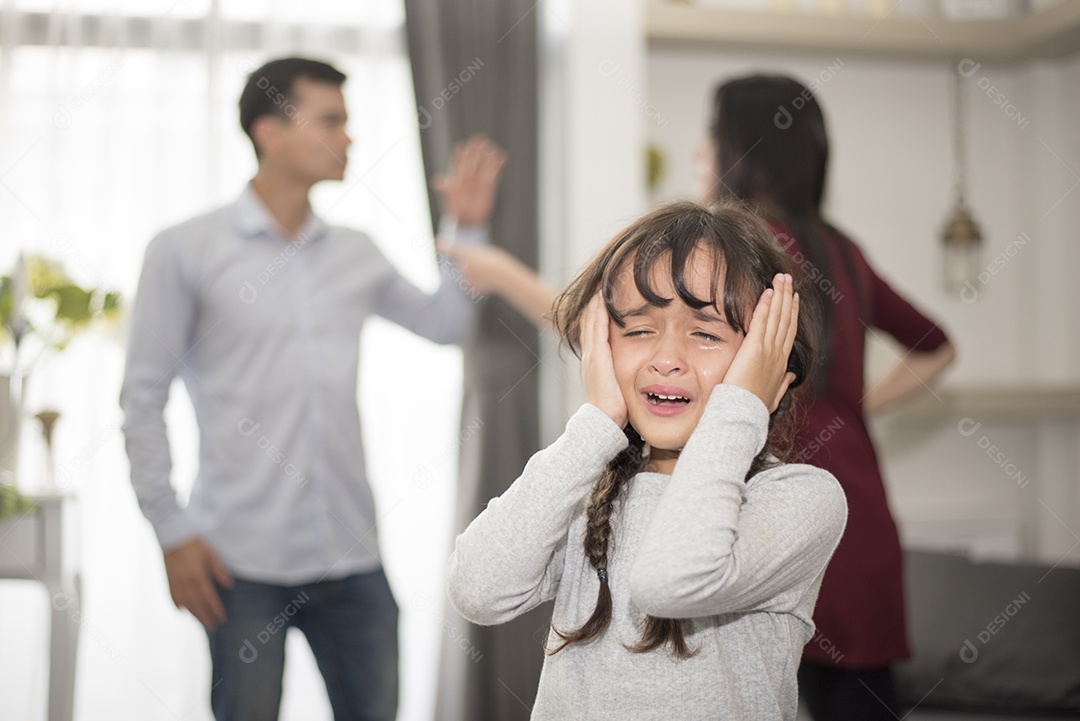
(488, 269)
(484, 266)
(597, 368)
(760, 365)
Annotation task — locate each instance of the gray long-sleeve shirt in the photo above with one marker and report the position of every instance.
(741, 561)
(265, 334)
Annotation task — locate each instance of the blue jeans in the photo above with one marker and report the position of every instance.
(350, 624)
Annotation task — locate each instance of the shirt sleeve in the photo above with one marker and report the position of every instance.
(717, 544)
(161, 327)
(510, 558)
(445, 315)
(895, 315)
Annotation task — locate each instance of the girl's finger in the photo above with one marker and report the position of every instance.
(601, 321)
(585, 327)
(772, 327)
(590, 323)
(793, 324)
(759, 320)
(785, 310)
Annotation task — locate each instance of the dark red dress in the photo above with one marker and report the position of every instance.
(860, 611)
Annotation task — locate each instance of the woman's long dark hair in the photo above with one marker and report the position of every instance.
(745, 260)
(772, 151)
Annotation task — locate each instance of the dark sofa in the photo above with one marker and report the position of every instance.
(991, 640)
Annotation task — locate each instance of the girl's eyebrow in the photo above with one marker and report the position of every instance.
(708, 316)
(641, 310)
(705, 315)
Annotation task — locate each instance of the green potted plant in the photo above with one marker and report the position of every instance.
(41, 310)
(12, 503)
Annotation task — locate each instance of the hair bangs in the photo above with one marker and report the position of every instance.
(672, 247)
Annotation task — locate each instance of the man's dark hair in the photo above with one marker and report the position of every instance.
(270, 89)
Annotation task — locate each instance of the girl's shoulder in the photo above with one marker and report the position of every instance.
(803, 487)
(778, 471)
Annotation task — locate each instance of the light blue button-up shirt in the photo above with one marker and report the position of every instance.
(265, 334)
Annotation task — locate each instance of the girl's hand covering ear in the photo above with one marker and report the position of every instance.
(760, 365)
(597, 367)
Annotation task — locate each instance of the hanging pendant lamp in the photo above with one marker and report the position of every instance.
(961, 236)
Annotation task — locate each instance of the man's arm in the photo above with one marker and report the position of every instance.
(162, 323)
(467, 196)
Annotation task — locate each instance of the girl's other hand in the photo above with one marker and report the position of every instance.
(760, 365)
(597, 366)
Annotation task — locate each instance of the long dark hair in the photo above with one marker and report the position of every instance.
(746, 258)
(772, 150)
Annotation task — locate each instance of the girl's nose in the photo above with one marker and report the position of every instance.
(667, 358)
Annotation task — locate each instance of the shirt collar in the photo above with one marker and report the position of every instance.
(252, 219)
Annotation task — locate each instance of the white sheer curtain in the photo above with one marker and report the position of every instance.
(118, 118)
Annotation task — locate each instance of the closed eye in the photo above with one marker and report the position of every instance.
(708, 336)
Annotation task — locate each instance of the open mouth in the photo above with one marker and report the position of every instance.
(659, 399)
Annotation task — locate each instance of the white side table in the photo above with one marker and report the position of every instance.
(37, 547)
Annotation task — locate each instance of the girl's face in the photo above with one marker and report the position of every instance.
(667, 360)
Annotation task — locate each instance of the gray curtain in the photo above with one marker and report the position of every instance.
(474, 65)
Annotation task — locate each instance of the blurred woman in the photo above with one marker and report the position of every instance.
(768, 146)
